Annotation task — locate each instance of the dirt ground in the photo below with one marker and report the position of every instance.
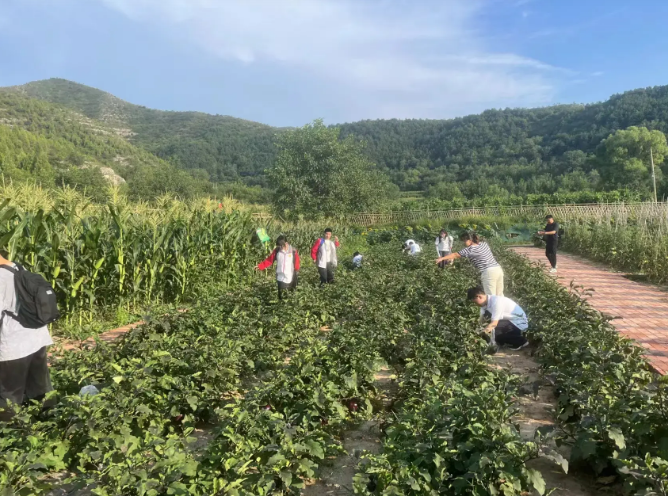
(539, 410)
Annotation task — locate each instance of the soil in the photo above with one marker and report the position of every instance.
(336, 478)
(537, 410)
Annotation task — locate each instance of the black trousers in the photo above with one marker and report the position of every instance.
(444, 254)
(24, 379)
(551, 254)
(327, 274)
(284, 286)
(506, 333)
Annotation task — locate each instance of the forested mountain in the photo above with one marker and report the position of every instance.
(54, 145)
(498, 152)
(225, 148)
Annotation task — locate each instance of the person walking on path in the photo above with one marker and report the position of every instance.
(444, 246)
(551, 237)
(323, 254)
(508, 320)
(481, 256)
(24, 372)
(287, 265)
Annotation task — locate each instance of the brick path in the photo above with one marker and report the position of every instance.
(640, 310)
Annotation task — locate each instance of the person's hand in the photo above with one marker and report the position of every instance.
(336, 238)
(438, 260)
(541, 232)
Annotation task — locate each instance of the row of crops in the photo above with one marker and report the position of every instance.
(274, 385)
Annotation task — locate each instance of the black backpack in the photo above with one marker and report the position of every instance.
(37, 305)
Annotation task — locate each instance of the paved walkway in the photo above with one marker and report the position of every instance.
(640, 310)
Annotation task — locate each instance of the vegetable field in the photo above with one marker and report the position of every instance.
(244, 395)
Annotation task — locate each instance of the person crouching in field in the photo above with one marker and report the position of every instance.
(508, 320)
(287, 265)
(323, 254)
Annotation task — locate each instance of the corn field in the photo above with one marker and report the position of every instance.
(122, 254)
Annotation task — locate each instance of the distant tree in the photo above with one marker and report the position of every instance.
(317, 175)
(445, 191)
(624, 157)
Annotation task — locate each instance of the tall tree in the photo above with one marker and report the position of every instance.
(317, 175)
(624, 157)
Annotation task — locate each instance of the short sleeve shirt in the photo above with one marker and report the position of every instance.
(480, 255)
(15, 340)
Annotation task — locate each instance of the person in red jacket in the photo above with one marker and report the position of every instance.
(323, 254)
(287, 265)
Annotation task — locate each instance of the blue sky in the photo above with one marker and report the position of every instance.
(287, 62)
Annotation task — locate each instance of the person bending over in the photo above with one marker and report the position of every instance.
(287, 265)
(508, 320)
(357, 260)
(481, 256)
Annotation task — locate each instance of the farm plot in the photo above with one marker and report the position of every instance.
(275, 385)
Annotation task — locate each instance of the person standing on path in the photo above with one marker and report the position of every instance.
(508, 320)
(481, 256)
(323, 254)
(287, 265)
(551, 237)
(24, 372)
(444, 246)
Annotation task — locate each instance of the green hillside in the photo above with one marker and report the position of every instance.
(52, 145)
(226, 148)
(498, 152)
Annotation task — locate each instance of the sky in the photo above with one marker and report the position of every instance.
(287, 62)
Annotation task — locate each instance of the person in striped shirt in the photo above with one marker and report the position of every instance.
(481, 256)
(287, 265)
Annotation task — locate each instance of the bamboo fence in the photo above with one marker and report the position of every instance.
(619, 212)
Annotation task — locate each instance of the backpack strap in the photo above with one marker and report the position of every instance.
(11, 269)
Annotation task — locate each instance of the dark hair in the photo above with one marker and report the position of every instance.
(443, 231)
(281, 240)
(470, 236)
(473, 292)
(549, 217)
(329, 229)
(356, 253)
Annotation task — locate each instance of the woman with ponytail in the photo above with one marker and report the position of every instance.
(481, 256)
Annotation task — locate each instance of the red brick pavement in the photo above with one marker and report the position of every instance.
(640, 310)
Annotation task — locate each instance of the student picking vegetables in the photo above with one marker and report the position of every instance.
(323, 254)
(508, 320)
(481, 256)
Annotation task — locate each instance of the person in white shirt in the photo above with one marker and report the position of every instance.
(24, 372)
(357, 260)
(444, 244)
(412, 247)
(323, 254)
(508, 320)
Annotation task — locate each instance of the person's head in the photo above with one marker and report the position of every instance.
(281, 242)
(410, 243)
(470, 238)
(549, 219)
(4, 256)
(356, 254)
(328, 233)
(443, 233)
(477, 295)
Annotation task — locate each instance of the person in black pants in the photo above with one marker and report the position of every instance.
(551, 237)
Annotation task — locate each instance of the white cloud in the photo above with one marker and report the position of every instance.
(426, 56)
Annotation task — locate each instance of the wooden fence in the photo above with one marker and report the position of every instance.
(619, 212)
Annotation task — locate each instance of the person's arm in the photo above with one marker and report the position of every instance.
(452, 256)
(297, 262)
(336, 241)
(491, 326)
(268, 262)
(495, 308)
(314, 250)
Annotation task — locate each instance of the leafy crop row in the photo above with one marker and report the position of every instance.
(613, 409)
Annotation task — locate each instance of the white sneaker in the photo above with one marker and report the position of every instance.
(521, 346)
(553, 270)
